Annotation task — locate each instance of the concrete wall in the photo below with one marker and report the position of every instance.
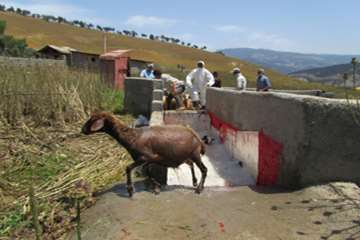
(320, 139)
(85, 61)
(143, 96)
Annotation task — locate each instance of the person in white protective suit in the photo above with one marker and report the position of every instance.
(197, 81)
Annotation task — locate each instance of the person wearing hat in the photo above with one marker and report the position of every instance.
(263, 83)
(197, 81)
(240, 79)
(148, 72)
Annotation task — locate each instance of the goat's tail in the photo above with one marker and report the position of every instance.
(202, 144)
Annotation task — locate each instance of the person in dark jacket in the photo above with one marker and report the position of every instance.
(217, 83)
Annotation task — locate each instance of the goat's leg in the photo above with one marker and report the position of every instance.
(129, 169)
(155, 184)
(197, 160)
(194, 180)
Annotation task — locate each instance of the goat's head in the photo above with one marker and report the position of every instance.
(96, 123)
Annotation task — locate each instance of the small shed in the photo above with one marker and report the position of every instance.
(73, 57)
(116, 65)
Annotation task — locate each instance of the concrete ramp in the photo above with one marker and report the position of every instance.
(224, 168)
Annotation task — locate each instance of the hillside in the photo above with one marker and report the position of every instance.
(39, 33)
(286, 62)
(332, 75)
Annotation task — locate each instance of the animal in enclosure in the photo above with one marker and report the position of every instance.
(168, 146)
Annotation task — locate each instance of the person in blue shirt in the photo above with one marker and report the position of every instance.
(148, 72)
(263, 83)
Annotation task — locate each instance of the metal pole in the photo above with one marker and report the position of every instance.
(354, 62)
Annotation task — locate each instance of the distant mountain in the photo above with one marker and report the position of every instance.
(286, 62)
(331, 75)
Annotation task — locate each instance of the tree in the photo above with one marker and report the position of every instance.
(108, 29)
(35, 15)
(134, 34)
(26, 13)
(81, 24)
(143, 35)
(61, 20)
(2, 8)
(99, 28)
(19, 11)
(126, 32)
(151, 37)
(9, 46)
(10, 9)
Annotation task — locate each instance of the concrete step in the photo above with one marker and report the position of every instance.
(158, 94)
(156, 105)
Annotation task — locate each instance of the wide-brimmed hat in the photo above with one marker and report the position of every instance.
(236, 70)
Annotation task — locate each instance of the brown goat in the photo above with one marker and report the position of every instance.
(169, 146)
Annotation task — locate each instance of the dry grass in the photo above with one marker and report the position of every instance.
(48, 94)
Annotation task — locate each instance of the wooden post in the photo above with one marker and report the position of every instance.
(105, 43)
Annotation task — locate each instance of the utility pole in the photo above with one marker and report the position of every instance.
(354, 62)
(105, 43)
(345, 78)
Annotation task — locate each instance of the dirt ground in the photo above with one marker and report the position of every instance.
(324, 212)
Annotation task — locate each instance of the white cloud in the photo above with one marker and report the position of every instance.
(229, 28)
(149, 21)
(242, 36)
(269, 39)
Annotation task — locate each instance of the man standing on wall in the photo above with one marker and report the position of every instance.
(240, 79)
(263, 83)
(197, 81)
(148, 72)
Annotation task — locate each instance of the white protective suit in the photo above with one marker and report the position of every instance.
(197, 80)
(240, 81)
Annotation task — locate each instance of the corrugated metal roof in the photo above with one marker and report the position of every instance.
(115, 54)
(64, 50)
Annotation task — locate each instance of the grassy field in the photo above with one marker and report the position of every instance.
(39, 33)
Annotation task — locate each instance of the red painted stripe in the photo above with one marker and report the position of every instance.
(269, 160)
(223, 127)
(269, 151)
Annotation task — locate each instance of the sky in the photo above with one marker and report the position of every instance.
(307, 26)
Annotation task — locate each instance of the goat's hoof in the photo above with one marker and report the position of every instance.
(157, 190)
(198, 190)
(130, 191)
(195, 184)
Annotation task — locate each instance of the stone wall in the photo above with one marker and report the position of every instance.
(319, 136)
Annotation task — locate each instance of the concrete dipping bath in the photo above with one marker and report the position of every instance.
(281, 139)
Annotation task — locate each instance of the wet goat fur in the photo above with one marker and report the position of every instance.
(169, 145)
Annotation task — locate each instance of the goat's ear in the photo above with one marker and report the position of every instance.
(97, 125)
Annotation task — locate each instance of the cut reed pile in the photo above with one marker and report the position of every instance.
(52, 161)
